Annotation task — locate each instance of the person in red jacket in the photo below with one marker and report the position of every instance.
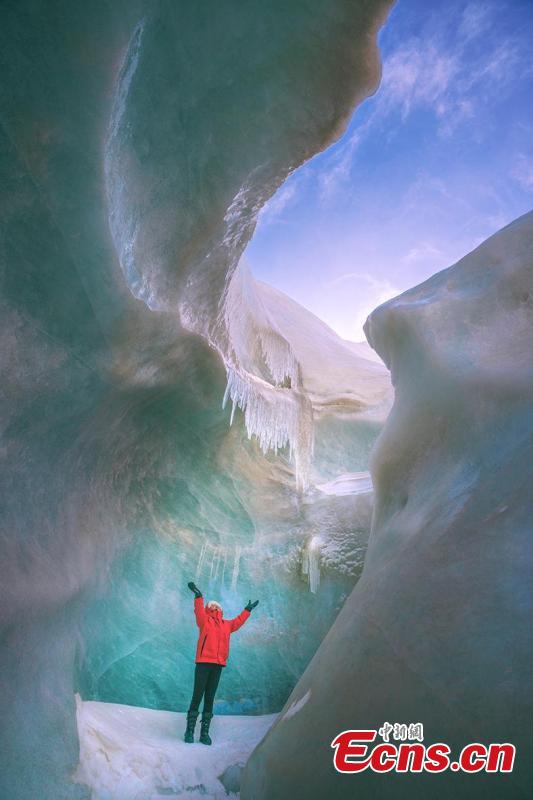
(212, 653)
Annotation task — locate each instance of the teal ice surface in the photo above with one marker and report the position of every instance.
(118, 464)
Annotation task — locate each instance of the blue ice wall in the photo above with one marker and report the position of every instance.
(116, 461)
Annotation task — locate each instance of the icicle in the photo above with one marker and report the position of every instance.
(263, 373)
(217, 563)
(263, 376)
(200, 561)
(276, 417)
(311, 563)
(224, 568)
(236, 565)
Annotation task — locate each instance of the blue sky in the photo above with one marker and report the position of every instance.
(440, 158)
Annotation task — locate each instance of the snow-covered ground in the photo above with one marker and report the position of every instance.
(129, 753)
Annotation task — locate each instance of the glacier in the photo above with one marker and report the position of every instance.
(437, 629)
(139, 140)
(165, 416)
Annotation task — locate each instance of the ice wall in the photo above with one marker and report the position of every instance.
(213, 507)
(138, 140)
(213, 107)
(437, 630)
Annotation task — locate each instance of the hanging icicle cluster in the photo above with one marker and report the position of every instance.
(263, 377)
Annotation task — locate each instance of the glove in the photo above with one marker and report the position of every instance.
(192, 586)
(251, 606)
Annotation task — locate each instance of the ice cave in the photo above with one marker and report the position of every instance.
(168, 417)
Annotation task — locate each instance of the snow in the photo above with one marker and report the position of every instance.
(130, 753)
(349, 483)
(296, 706)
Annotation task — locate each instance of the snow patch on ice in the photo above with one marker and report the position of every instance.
(129, 753)
(296, 706)
(349, 483)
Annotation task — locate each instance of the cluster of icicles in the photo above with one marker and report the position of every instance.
(217, 564)
(263, 377)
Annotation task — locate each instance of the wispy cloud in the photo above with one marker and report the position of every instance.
(522, 172)
(274, 209)
(451, 72)
(417, 74)
(475, 20)
(361, 293)
(380, 288)
(423, 251)
(447, 79)
(338, 168)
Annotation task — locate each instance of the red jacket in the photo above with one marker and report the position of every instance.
(213, 642)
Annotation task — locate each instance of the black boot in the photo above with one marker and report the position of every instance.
(192, 716)
(204, 730)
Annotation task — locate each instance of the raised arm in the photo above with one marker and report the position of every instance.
(236, 622)
(242, 617)
(199, 610)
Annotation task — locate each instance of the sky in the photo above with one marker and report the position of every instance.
(436, 161)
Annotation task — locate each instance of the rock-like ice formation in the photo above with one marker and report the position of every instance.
(438, 628)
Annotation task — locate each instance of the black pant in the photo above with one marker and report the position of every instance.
(206, 678)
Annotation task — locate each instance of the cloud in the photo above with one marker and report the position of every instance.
(422, 252)
(475, 20)
(273, 210)
(453, 72)
(357, 294)
(449, 82)
(418, 74)
(337, 174)
(522, 172)
(378, 287)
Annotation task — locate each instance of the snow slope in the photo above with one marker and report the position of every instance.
(130, 753)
